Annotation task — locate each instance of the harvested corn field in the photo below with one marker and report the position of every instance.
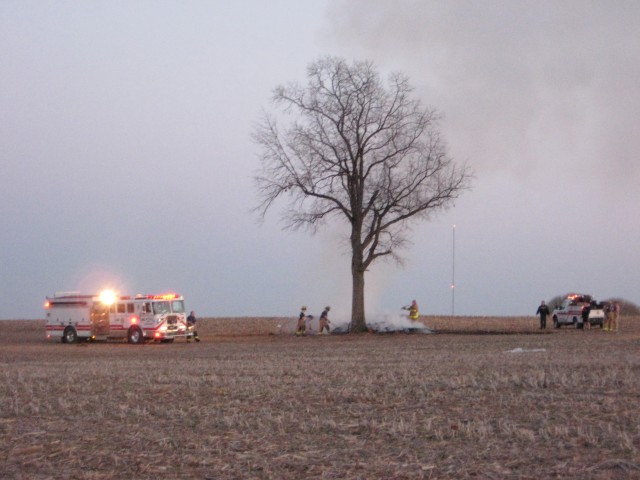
(490, 398)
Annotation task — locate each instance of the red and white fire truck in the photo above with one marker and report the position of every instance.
(71, 317)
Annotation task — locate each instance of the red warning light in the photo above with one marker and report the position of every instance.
(165, 296)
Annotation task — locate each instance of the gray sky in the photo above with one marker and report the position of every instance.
(126, 156)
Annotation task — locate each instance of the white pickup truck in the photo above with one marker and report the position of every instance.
(569, 312)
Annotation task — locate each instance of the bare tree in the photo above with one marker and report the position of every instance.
(360, 151)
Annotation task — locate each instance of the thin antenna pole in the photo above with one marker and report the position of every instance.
(453, 274)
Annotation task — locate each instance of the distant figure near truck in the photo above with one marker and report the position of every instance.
(612, 312)
(543, 311)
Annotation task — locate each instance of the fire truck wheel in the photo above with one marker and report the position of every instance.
(135, 336)
(555, 323)
(70, 335)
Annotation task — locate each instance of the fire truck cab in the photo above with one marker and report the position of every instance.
(71, 317)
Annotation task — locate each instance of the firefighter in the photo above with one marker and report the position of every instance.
(414, 313)
(191, 326)
(609, 316)
(612, 314)
(324, 320)
(302, 322)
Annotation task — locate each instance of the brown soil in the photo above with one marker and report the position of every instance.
(491, 398)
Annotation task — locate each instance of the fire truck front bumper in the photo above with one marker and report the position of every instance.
(171, 333)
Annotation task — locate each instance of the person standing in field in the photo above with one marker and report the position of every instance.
(585, 317)
(609, 313)
(414, 312)
(191, 326)
(543, 311)
(324, 320)
(615, 316)
(302, 322)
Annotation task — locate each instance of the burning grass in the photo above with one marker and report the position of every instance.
(559, 405)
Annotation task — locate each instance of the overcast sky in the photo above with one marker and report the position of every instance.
(126, 157)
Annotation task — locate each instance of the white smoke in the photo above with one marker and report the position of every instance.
(386, 323)
(525, 86)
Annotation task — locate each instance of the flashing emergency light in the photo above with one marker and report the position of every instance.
(107, 297)
(165, 296)
(134, 320)
(47, 304)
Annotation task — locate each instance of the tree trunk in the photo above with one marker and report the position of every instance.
(358, 322)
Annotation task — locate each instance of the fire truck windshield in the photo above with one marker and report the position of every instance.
(177, 306)
(162, 307)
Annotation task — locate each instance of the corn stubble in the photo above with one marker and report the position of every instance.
(252, 401)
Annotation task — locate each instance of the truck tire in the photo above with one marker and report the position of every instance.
(135, 336)
(70, 335)
(555, 322)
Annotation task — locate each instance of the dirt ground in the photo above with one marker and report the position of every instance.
(489, 398)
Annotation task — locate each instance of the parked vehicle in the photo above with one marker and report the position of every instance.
(71, 317)
(570, 311)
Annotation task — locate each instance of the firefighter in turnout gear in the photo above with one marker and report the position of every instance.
(324, 320)
(414, 313)
(302, 322)
(191, 325)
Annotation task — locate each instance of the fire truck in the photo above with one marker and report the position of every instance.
(72, 317)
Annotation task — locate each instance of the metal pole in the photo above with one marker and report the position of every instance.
(453, 275)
